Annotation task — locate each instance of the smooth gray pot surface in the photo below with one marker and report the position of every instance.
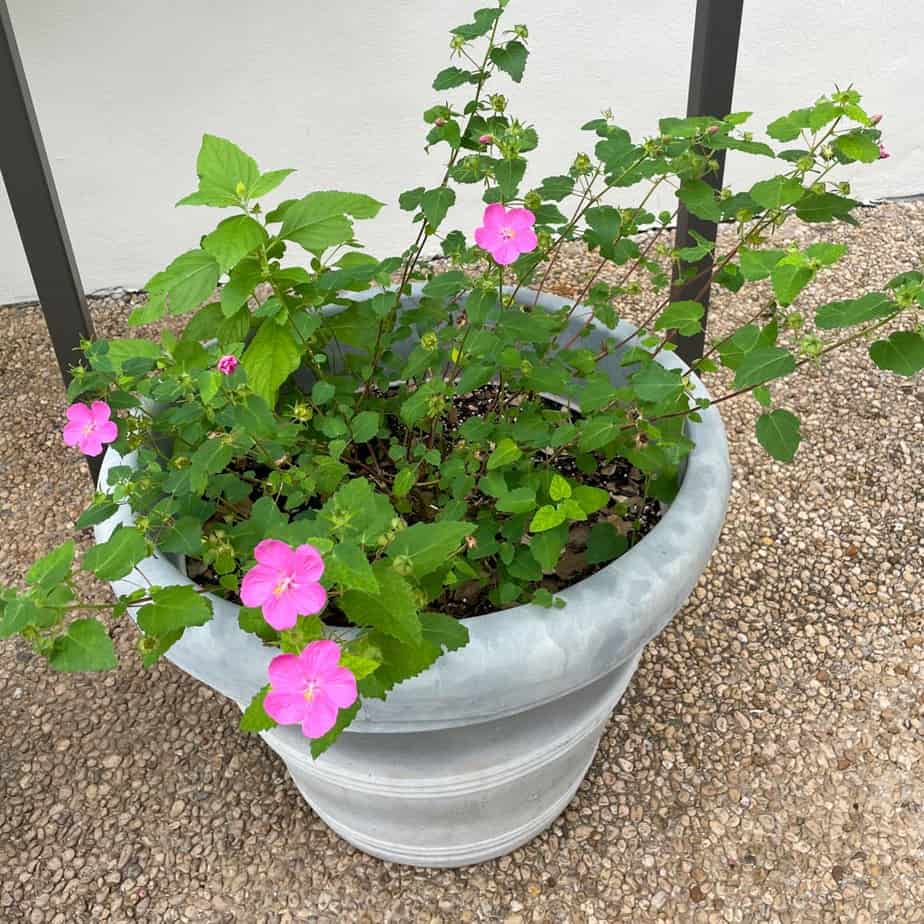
(483, 750)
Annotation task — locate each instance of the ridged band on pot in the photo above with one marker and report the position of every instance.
(522, 667)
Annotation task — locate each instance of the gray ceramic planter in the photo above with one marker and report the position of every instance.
(482, 752)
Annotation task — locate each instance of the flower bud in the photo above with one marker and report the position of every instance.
(439, 121)
(883, 153)
(302, 411)
(498, 102)
(227, 364)
(520, 31)
(486, 139)
(403, 565)
(240, 189)
(875, 119)
(532, 201)
(582, 165)
(712, 130)
(435, 405)
(429, 341)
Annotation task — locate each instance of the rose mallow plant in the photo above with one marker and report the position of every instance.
(326, 452)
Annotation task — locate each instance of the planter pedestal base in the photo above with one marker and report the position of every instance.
(452, 797)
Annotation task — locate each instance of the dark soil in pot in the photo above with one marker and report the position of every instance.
(631, 513)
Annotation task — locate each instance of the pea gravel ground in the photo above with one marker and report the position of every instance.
(766, 764)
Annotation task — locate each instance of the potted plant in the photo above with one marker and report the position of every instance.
(423, 522)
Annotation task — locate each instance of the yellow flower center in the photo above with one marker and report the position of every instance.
(282, 586)
(310, 690)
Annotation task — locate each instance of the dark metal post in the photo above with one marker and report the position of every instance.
(712, 82)
(29, 184)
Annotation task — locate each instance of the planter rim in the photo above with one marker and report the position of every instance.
(516, 658)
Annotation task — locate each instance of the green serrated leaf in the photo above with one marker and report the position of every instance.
(392, 611)
(700, 199)
(902, 353)
(511, 59)
(172, 609)
(519, 500)
(54, 567)
(778, 433)
(547, 517)
(654, 383)
(777, 192)
(682, 316)
(86, 646)
(233, 239)
(435, 203)
(272, 356)
(505, 452)
(559, 488)
(428, 546)
(116, 557)
(604, 544)
(254, 718)
(854, 311)
(348, 566)
(764, 364)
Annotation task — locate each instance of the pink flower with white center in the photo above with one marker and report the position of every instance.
(227, 364)
(883, 153)
(284, 582)
(486, 139)
(309, 688)
(89, 427)
(506, 234)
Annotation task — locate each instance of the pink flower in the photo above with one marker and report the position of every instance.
(309, 688)
(506, 234)
(227, 364)
(875, 119)
(88, 427)
(486, 139)
(883, 153)
(284, 582)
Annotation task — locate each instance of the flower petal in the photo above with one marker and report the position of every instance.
(90, 445)
(286, 674)
(495, 216)
(79, 413)
(286, 708)
(307, 598)
(280, 611)
(319, 716)
(107, 431)
(488, 238)
(340, 686)
(309, 566)
(319, 659)
(279, 555)
(520, 219)
(506, 253)
(258, 585)
(72, 433)
(100, 411)
(526, 240)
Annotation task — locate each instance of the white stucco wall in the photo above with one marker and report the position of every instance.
(123, 92)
